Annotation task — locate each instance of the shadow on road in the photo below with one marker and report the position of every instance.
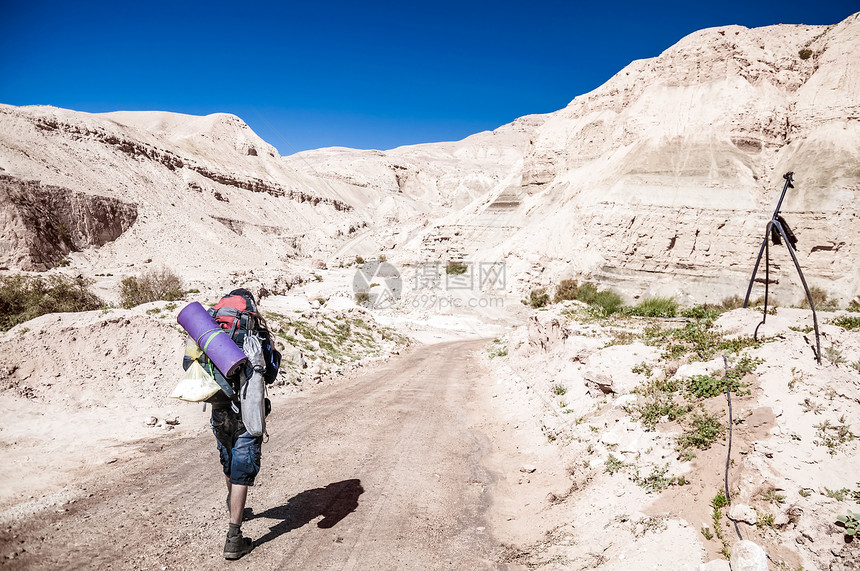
(334, 502)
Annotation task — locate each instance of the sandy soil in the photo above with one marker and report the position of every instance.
(380, 471)
(456, 453)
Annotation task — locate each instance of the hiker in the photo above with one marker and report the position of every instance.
(237, 428)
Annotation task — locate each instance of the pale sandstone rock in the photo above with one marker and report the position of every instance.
(744, 513)
(748, 556)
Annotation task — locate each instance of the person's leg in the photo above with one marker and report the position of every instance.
(229, 489)
(237, 494)
(244, 465)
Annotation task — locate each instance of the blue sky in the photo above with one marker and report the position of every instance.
(363, 75)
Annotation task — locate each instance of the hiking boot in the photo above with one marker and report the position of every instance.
(236, 546)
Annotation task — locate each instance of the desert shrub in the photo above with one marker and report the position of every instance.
(609, 301)
(820, 298)
(731, 302)
(362, 298)
(538, 297)
(655, 407)
(605, 301)
(704, 311)
(152, 285)
(712, 311)
(566, 290)
(706, 386)
(698, 337)
(847, 322)
(702, 431)
(654, 307)
(805, 53)
(456, 268)
(854, 304)
(23, 297)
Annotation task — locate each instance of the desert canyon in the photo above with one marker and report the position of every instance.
(506, 436)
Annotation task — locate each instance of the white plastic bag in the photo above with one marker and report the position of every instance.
(196, 385)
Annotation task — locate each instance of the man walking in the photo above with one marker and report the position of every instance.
(238, 449)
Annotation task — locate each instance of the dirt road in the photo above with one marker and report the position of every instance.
(379, 471)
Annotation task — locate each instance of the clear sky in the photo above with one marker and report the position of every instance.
(366, 75)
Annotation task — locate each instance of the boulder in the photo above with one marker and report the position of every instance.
(748, 556)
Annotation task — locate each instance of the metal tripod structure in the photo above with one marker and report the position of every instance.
(765, 250)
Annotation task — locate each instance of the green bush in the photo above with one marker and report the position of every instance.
(720, 500)
(23, 297)
(605, 301)
(656, 406)
(704, 311)
(456, 268)
(654, 307)
(705, 386)
(566, 290)
(699, 337)
(805, 53)
(152, 285)
(538, 297)
(847, 322)
(851, 523)
(704, 429)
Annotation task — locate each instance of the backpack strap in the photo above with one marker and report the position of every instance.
(222, 382)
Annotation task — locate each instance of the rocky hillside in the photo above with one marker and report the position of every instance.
(171, 188)
(660, 181)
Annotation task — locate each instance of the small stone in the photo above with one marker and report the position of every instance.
(744, 513)
(748, 556)
(528, 468)
(150, 421)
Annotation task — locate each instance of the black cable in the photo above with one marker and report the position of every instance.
(729, 453)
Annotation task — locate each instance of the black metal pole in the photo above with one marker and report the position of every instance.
(765, 250)
(788, 178)
(755, 270)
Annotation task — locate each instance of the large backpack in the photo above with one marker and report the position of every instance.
(237, 314)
